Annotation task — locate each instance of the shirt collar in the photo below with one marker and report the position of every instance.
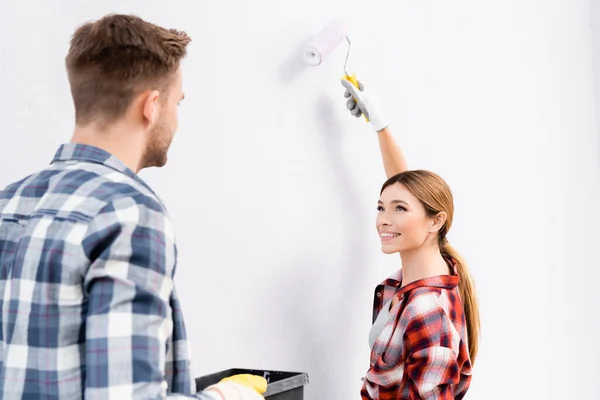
(441, 281)
(69, 152)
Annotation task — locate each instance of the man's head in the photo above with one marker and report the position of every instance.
(122, 68)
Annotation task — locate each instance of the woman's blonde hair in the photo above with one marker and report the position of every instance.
(435, 196)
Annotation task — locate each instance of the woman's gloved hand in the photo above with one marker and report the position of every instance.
(240, 387)
(360, 103)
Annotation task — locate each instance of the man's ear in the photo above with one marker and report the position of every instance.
(151, 107)
(438, 222)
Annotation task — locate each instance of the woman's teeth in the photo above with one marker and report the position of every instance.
(390, 235)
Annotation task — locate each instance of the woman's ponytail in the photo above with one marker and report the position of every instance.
(468, 296)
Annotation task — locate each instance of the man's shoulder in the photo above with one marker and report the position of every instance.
(76, 191)
(104, 184)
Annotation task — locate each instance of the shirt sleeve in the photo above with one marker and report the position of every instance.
(128, 287)
(431, 365)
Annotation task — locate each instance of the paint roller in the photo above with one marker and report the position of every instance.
(323, 44)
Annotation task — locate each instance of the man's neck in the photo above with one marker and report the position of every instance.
(421, 263)
(122, 141)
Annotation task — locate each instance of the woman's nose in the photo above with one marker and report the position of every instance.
(384, 221)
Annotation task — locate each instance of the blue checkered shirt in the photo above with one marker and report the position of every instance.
(89, 310)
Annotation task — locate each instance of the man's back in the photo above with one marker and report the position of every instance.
(87, 251)
(86, 223)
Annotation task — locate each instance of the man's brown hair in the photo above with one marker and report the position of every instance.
(116, 58)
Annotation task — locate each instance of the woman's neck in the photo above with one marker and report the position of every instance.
(421, 263)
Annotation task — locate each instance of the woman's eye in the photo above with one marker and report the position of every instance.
(400, 208)
(379, 208)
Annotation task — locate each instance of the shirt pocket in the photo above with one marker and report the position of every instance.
(387, 356)
(388, 347)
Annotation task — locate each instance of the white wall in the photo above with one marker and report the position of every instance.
(272, 186)
(595, 19)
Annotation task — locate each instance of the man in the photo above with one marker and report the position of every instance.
(87, 252)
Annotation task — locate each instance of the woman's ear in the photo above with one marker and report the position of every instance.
(438, 222)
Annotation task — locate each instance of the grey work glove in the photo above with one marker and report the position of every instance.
(360, 103)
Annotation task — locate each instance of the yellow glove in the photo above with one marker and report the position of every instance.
(255, 382)
(239, 387)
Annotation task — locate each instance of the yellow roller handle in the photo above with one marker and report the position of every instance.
(353, 80)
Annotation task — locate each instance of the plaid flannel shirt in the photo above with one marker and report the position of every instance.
(422, 352)
(87, 258)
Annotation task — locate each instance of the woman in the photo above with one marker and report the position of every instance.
(425, 331)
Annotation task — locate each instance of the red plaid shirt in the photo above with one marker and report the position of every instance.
(422, 352)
